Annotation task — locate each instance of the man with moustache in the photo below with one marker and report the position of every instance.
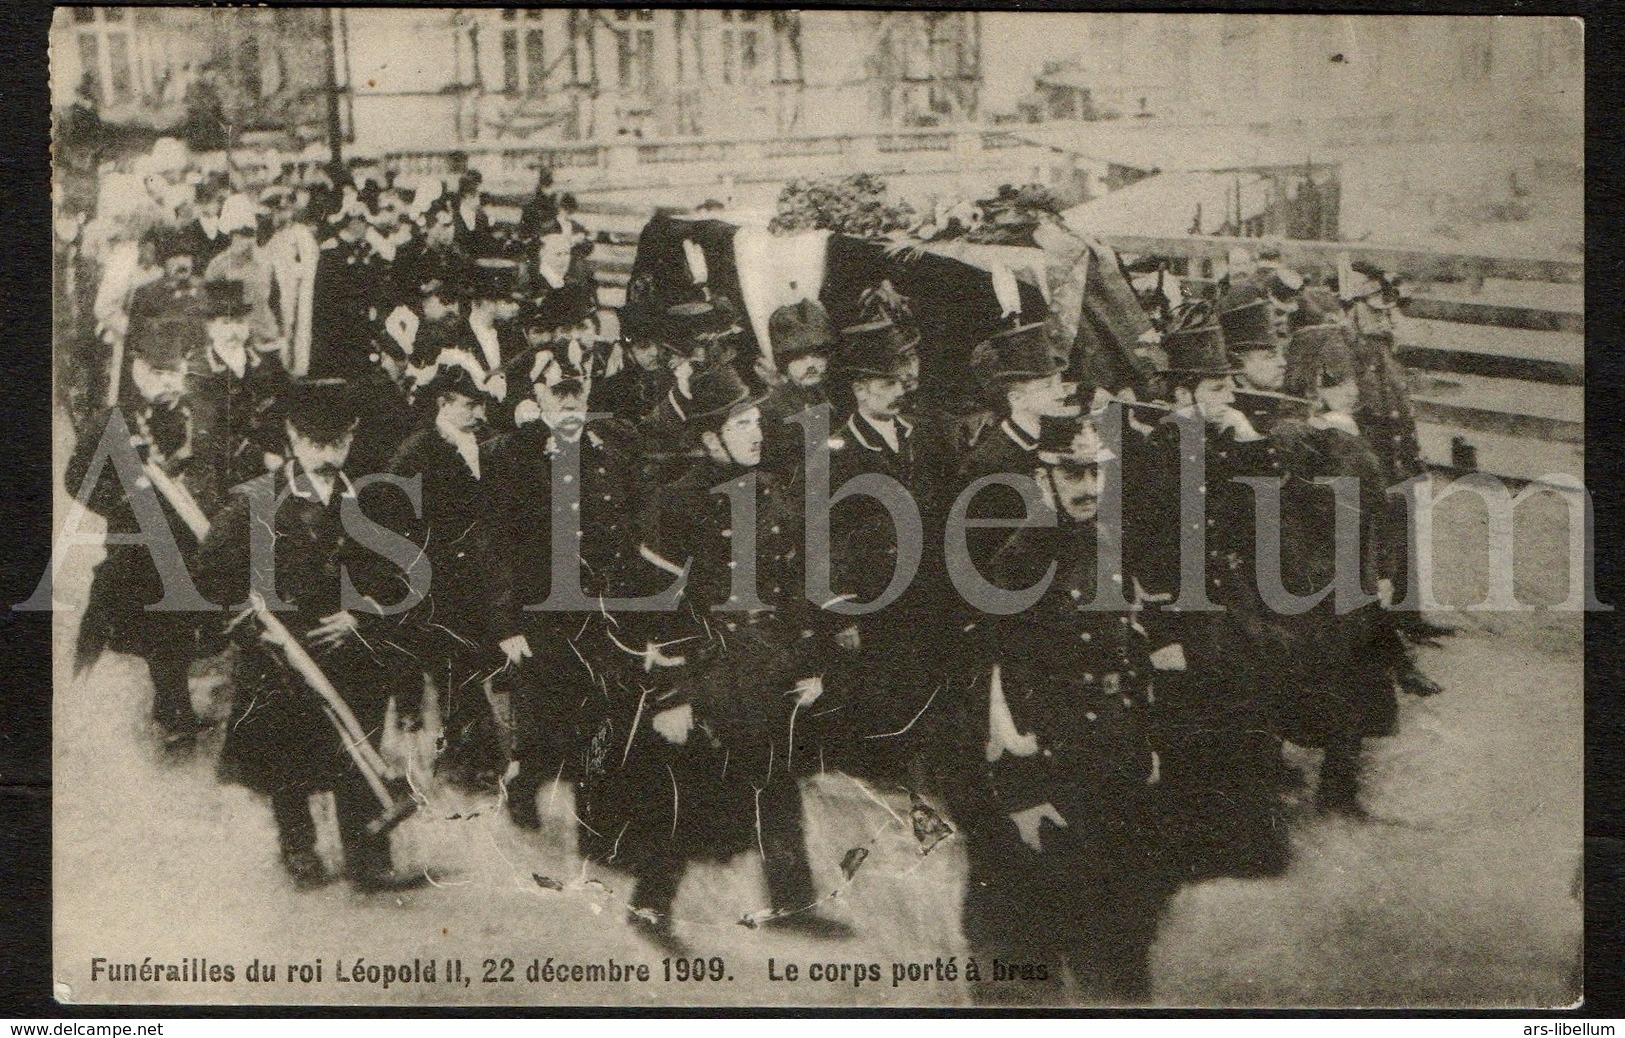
(890, 683)
(1068, 758)
(278, 741)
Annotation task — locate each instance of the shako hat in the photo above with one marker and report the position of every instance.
(874, 349)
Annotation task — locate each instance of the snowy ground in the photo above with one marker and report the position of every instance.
(1457, 893)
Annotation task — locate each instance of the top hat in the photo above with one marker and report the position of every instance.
(1316, 355)
(172, 241)
(1016, 355)
(1195, 344)
(1247, 327)
(322, 409)
(874, 350)
(224, 298)
(718, 392)
(799, 330)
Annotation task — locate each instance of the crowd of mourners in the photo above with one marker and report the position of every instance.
(1086, 679)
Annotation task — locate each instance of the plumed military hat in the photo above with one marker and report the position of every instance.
(1247, 327)
(1317, 355)
(1071, 441)
(874, 349)
(1016, 355)
(322, 409)
(1194, 344)
(800, 330)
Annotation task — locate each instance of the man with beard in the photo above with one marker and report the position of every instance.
(453, 629)
(802, 338)
(138, 573)
(734, 783)
(1068, 757)
(558, 480)
(891, 681)
(278, 742)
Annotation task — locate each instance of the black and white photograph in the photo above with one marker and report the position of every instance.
(870, 509)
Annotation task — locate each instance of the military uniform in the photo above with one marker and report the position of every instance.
(558, 694)
(1076, 686)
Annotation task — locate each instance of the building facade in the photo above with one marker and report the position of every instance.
(418, 79)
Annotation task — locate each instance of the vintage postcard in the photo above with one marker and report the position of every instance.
(883, 508)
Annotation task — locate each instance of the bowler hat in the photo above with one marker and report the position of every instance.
(322, 409)
(455, 378)
(1016, 355)
(800, 330)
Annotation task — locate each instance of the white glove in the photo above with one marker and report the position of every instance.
(1030, 821)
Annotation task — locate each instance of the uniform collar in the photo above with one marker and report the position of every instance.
(1018, 437)
(904, 429)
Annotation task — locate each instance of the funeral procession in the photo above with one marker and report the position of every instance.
(842, 508)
